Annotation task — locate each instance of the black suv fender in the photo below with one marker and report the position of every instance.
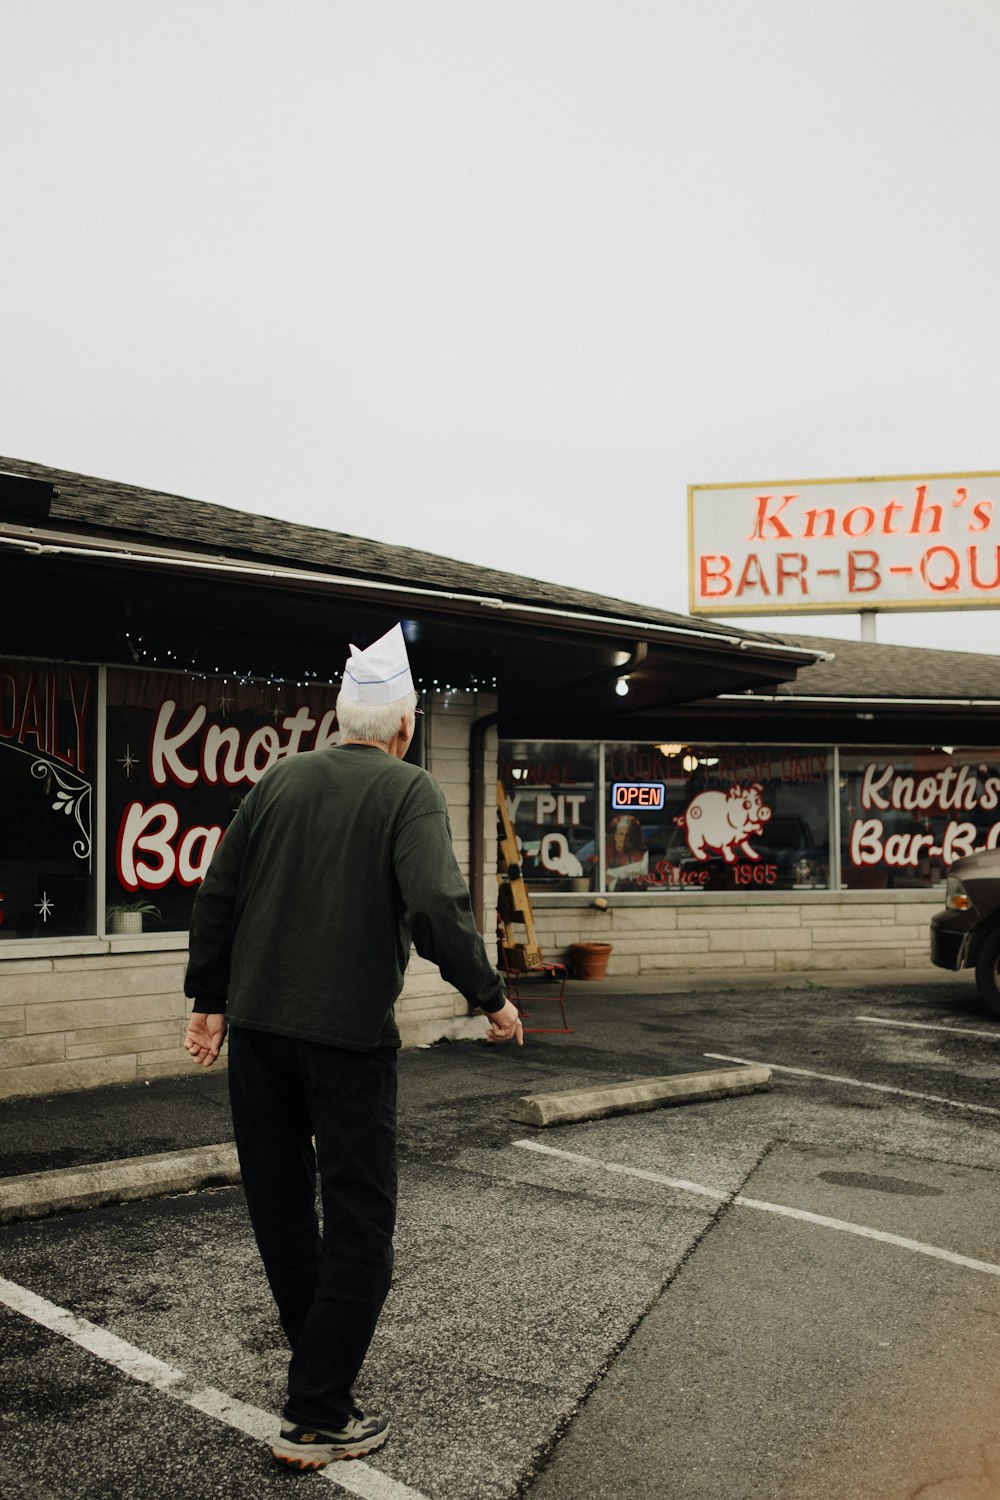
(967, 933)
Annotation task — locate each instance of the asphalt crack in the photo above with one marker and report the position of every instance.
(543, 1455)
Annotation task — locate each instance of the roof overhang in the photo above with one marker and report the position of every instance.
(258, 618)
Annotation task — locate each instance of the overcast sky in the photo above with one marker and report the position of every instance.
(500, 280)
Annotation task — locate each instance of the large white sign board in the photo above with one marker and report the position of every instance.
(830, 545)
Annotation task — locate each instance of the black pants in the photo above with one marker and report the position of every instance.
(329, 1288)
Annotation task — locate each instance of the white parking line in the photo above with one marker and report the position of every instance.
(858, 1083)
(843, 1226)
(994, 1036)
(623, 1171)
(354, 1476)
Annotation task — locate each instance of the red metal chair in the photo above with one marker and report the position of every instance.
(543, 973)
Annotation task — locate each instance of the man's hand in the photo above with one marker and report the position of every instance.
(204, 1038)
(505, 1024)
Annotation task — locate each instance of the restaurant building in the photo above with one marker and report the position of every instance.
(734, 802)
(160, 653)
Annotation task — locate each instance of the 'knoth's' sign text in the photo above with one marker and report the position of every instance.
(845, 545)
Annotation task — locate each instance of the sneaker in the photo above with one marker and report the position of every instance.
(315, 1447)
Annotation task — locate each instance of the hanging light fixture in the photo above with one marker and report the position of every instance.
(621, 686)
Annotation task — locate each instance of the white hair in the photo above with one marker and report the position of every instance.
(373, 721)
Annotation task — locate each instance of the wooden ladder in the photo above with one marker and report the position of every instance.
(522, 960)
(513, 901)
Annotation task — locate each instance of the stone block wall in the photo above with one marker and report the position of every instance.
(429, 1009)
(781, 932)
(78, 1020)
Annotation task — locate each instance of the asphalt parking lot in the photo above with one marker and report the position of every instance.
(789, 1294)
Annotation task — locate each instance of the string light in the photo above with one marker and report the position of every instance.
(143, 655)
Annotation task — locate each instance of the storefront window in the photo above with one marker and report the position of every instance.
(550, 797)
(906, 815)
(674, 816)
(643, 794)
(48, 755)
(182, 754)
(716, 817)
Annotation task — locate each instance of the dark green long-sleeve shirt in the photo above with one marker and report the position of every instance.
(335, 860)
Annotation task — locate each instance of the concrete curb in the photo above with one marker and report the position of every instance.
(36, 1194)
(636, 1094)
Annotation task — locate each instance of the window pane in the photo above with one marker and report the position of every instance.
(48, 752)
(182, 754)
(906, 815)
(550, 796)
(727, 818)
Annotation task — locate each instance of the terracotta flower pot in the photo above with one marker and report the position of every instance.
(589, 960)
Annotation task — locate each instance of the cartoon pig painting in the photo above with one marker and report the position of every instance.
(724, 821)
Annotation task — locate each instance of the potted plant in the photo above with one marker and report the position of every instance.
(126, 916)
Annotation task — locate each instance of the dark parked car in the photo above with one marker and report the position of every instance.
(967, 933)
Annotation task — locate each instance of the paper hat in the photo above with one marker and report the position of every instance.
(380, 674)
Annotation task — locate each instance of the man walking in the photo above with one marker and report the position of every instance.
(301, 933)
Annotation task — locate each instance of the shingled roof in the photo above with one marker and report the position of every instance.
(874, 672)
(87, 506)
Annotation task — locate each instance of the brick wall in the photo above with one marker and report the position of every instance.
(782, 932)
(76, 1014)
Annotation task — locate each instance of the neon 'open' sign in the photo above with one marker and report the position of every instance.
(628, 794)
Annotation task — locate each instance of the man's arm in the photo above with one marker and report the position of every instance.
(439, 913)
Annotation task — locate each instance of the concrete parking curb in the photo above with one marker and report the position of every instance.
(636, 1094)
(36, 1194)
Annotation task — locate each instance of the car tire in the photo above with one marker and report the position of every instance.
(988, 971)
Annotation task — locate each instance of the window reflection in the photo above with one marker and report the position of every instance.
(550, 798)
